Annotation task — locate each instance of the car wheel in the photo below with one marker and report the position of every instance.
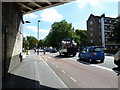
(74, 54)
(90, 60)
(60, 53)
(66, 54)
(118, 66)
(102, 61)
(80, 58)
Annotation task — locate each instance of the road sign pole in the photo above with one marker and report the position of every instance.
(38, 38)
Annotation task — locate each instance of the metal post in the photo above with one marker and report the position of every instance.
(38, 38)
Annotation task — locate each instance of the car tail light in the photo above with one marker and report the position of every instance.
(93, 54)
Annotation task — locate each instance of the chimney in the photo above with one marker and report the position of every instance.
(103, 15)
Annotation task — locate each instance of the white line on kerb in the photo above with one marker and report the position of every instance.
(73, 79)
(102, 67)
(63, 71)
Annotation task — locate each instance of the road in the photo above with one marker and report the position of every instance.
(80, 74)
(108, 63)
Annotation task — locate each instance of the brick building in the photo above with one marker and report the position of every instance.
(99, 30)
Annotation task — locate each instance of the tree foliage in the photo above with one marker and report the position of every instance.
(59, 31)
(41, 43)
(32, 41)
(63, 29)
(25, 43)
(81, 37)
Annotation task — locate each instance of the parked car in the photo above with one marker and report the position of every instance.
(53, 50)
(47, 49)
(117, 59)
(92, 54)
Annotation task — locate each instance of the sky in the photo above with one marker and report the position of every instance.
(75, 12)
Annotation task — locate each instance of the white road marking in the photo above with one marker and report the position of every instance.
(48, 57)
(26, 60)
(44, 59)
(73, 79)
(102, 67)
(57, 66)
(36, 72)
(58, 77)
(63, 71)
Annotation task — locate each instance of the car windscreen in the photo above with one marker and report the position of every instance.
(98, 49)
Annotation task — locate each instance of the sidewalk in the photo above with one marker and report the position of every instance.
(33, 72)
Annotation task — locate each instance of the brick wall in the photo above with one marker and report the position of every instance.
(95, 30)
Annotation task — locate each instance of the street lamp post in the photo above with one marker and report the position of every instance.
(38, 38)
(24, 23)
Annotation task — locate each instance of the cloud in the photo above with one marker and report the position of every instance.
(43, 32)
(83, 3)
(50, 15)
(109, 1)
(30, 16)
(34, 29)
(93, 3)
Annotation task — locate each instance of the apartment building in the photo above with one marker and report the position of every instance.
(99, 30)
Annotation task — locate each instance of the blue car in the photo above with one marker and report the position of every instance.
(92, 54)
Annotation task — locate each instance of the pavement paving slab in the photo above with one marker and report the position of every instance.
(32, 72)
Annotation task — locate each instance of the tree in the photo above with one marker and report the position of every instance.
(41, 43)
(32, 41)
(59, 31)
(81, 37)
(25, 43)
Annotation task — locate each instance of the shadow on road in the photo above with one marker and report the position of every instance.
(86, 62)
(63, 56)
(14, 81)
(117, 70)
(83, 62)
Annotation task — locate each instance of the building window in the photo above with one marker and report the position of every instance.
(112, 35)
(99, 33)
(105, 33)
(99, 27)
(91, 41)
(106, 40)
(99, 20)
(116, 47)
(91, 22)
(110, 21)
(91, 35)
(105, 27)
(105, 20)
(111, 27)
(91, 28)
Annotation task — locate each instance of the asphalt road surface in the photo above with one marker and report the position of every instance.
(80, 74)
(108, 63)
